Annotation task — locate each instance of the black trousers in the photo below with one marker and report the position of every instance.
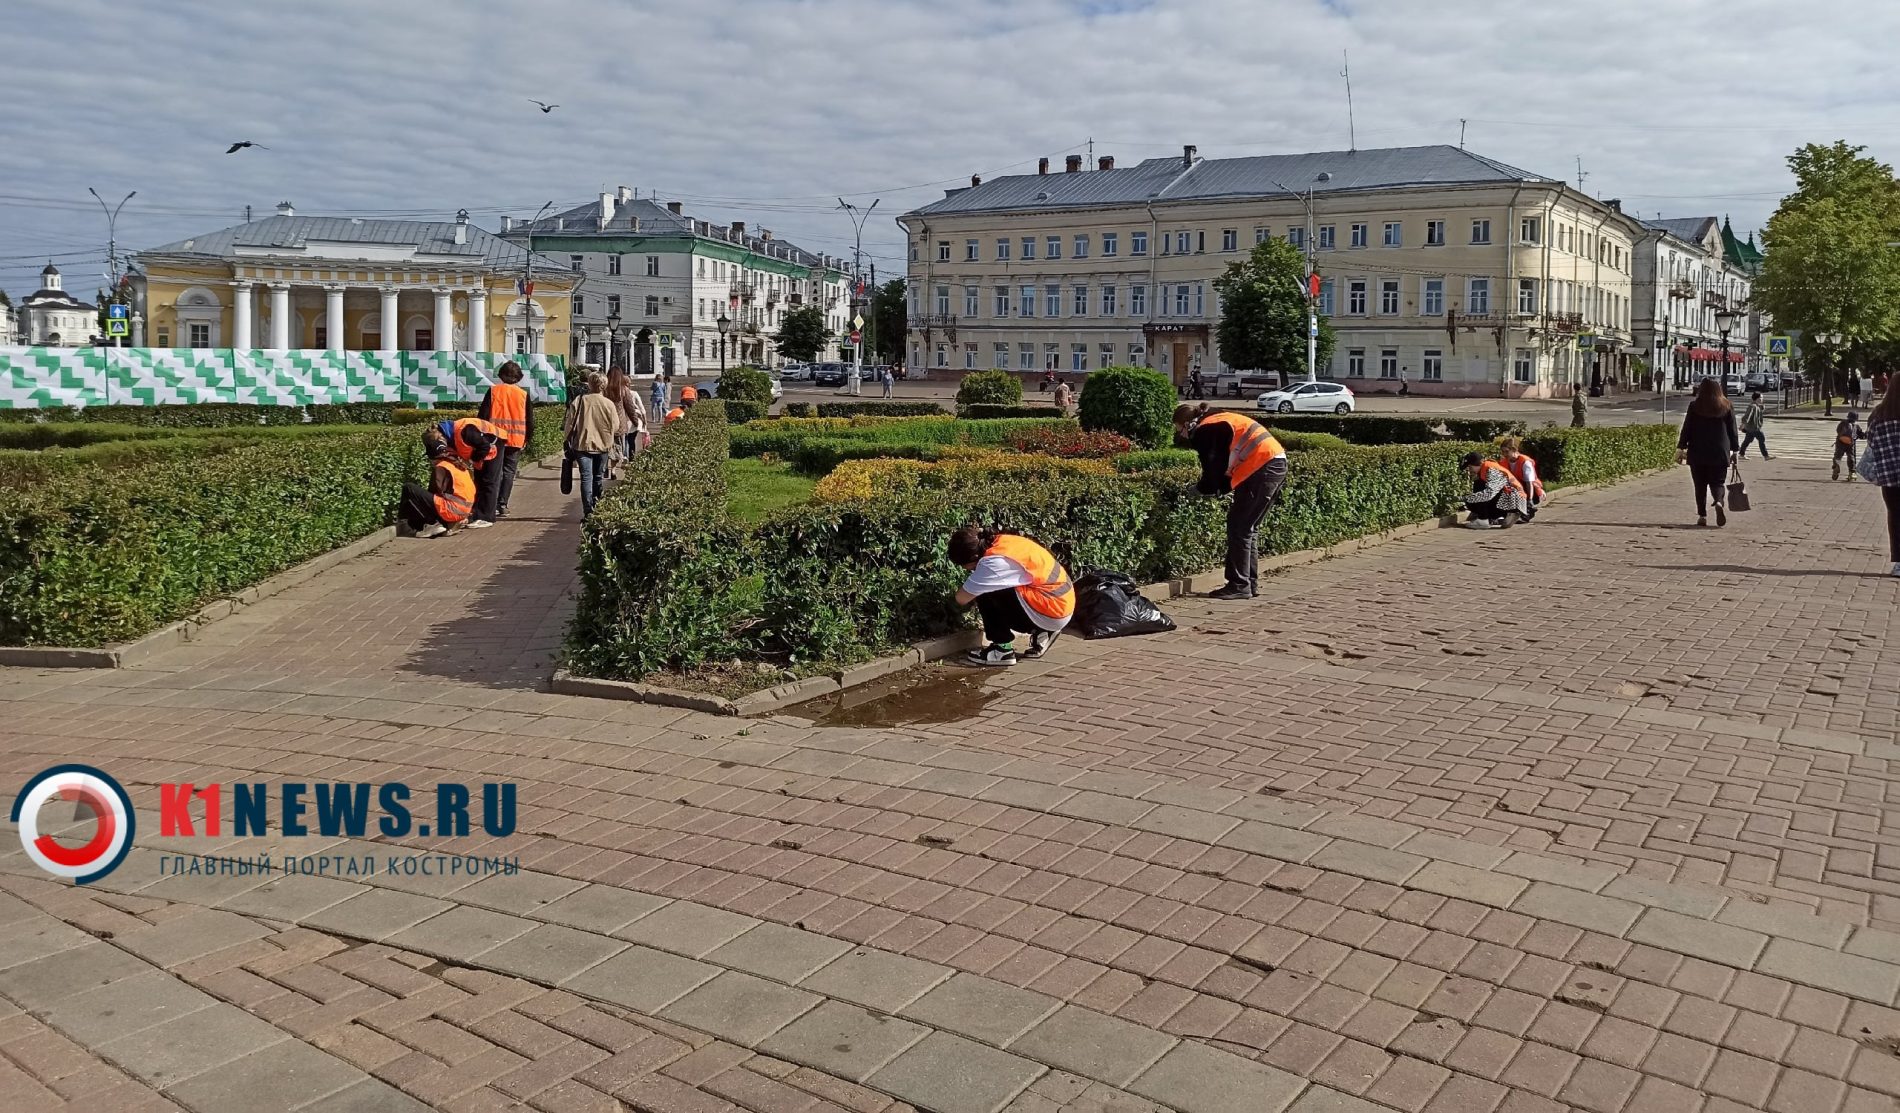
(1487, 511)
(487, 489)
(508, 463)
(1252, 499)
(1891, 496)
(418, 506)
(1004, 615)
(1709, 480)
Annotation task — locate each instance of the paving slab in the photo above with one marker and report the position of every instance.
(376, 914)
(126, 1005)
(777, 952)
(601, 908)
(686, 928)
(876, 979)
(843, 1040)
(550, 953)
(740, 1007)
(642, 979)
(461, 933)
(1723, 943)
(1195, 1078)
(948, 1074)
(188, 1046)
(981, 1008)
(263, 1079)
(1093, 1045)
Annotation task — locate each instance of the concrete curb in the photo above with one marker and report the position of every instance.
(567, 684)
(127, 654)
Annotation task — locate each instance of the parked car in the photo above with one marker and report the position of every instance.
(829, 374)
(1308, 398)
(796, 373)
(711, 389)
(1733, 383)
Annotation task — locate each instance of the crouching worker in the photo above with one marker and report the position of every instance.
(687, 398)
(478, 443)
(1525, 469)
(449, 498)
(1017, 586)
(1239, 455)
(1496, 496)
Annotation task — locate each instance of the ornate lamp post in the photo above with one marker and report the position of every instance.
(613, 341)
(725, 326)
(1725, 321)
(1831, 341)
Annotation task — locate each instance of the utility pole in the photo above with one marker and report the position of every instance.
(857, 285)
(527, 282)
(112, 247)
(1345, 71)
(1311, 284)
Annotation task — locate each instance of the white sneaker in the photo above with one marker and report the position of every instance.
(1480, 523)
(480, 523)
(434, 529)
(1896, 569)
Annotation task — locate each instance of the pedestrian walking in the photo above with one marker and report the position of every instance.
(1017, 586)
(1237, 455)
(449, 498)
(633, 413)
(1853, 391)
(1847, 435)
(1708, 444)
(508, 406)
(478, 444)
(589, 435)
(884, 376)
(659, 396)
(1881, 466)
(1063, 398)
(1751, 426)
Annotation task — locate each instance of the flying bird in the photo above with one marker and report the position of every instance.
(545, 107)
(236, 147)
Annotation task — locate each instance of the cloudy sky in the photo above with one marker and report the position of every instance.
(766, 110)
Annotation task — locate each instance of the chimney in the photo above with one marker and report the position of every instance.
(606, 210)
(1106, 162)
(976, 180)
(738, 228)
(1615, 204)
(1072, 164)
(507, 224)
(1187, 155)
(461, 226)
(624, 194)
(284, 208)
(765, 234)
(1042, 166)
(673, 207)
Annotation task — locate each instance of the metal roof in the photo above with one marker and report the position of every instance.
(1692, 229)
(1168, 179)
(293, 234)
(655, 219)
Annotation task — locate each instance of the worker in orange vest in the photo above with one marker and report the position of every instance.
(448, 500)
(1496, 495)
(1511, 453)
(477, 442)
(508, 407)
(687, 398)
(1017, 586)
(1238, 455)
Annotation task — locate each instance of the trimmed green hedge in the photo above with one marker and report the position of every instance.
(1137, 402)
(1376, 429)
(1571, 456)
(996, 388)
(739, 412)
(983, 410)
(208, 415)
(879, 409)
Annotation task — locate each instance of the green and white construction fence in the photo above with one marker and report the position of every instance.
(47, 378)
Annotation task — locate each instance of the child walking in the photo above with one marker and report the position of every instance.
(1846, 435)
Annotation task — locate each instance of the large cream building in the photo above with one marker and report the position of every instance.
(1456, 272)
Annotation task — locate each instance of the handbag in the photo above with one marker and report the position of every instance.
(1737, 490)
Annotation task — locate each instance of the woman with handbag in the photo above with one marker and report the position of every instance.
(1880, 465)
(1708, 444)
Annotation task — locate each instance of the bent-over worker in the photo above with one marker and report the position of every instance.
(1017, 586)
(1239, 455)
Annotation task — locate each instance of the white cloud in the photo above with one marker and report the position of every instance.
(765, 110)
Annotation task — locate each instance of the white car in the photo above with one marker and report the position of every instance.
(1333, 398)
(796, 372)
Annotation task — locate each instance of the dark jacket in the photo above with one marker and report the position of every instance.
(1212, 441)
(1709, 438)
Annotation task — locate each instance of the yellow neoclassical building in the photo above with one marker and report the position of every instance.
(349, 284)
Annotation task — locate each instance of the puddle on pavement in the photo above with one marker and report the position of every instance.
(912, 698)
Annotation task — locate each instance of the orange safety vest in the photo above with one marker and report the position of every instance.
(1489, 466)
(1253, 447)
(461, 448)
(1520, 469)
(673, 415)
(1049, 592)
(508, 408)
(460, 501)
(688, 394)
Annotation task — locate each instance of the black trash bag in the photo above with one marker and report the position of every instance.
(567, 473)
(1109, 605)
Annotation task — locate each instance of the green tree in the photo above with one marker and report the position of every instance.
(802, 335)
(1263, 312)
(888, 321)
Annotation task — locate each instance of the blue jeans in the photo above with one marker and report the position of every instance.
(593, 469)
(1751, 437)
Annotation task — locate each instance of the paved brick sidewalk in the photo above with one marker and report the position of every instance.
(1306, 862)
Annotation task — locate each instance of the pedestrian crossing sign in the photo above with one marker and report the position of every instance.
(118, 326)
(1780, 345)
(666, 340)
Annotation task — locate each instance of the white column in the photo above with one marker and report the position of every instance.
(279, 316)
(138, 330)
(478, 320)
(241, 317)
(391, 338)
(444, 322)
(333, 317)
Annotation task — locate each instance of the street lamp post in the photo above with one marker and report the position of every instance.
(1831, 341)
(857, 283)
(725, 326)
(112, 244)
(613, 341)
(1312, 284)
(1725, 323)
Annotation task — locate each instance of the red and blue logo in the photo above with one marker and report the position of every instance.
(83, 788)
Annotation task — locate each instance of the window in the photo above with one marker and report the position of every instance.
(701, 268)
(653, 305)
(1326, 297)
(1230, 239)
(1389, 296)
(943, 355)
(1002, 301)
(1433, 301)
(1026, 301)
(1527, 230)
(702, 347)
(943, 256)
(1200, 294)
(1081, 247)
(1262, 235)
(1081, 301)
(969, 301)
(1356, 297)
(1137, 355)
(1181, 295)
(1108, 301)
(1527, 295)
(580, 306)
(1000, 360)
(1110, 242)
(1434, 233)
(1523, 366)
(653, 266)
(1480, 231)
(1108, 356)
(1200, 242)
(576, 262)
(1002, 250)
(1078, 357)
(1026, 357)
(1054, 248)
(613, 305)
(1051, 357)
(1359, 235)
(1296, 237)
(198, 335)
(969, 357)
(1138, 301)
(1478, 296)
(1137, 243)
(1394, 234)
(1167, 243)
(1432, 369)
(1029, 247)
(1181, 242)
(1326, 237)
(913, 256)
(970, 248)
(1052, 300)
(1388, 363)
(1355, 363)
(943, 301)
(613, 264)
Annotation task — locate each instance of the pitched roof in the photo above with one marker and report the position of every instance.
(1166, 179)
(1691, 229)
(655, 219)
(293, 234)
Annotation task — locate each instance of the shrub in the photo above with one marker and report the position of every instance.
(200, 415)
(783, 436)
(1481, 428)
(407, 416)
(799, 409)
(745, 384)
(1571, 456)
(983, 410)
(862, 479)
(738, 412)
(819, 455)
(1136, 402)
(1366, 429)
(996, 388)
(1157, 459)
(1070, 443)
(875, 409)
(354, 413)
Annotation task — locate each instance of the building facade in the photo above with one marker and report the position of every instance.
(1685, 277)
(52, 318)
(657, 281)
(1455, 273)
(345, 284)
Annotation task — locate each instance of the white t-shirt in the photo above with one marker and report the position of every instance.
(995, 573)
